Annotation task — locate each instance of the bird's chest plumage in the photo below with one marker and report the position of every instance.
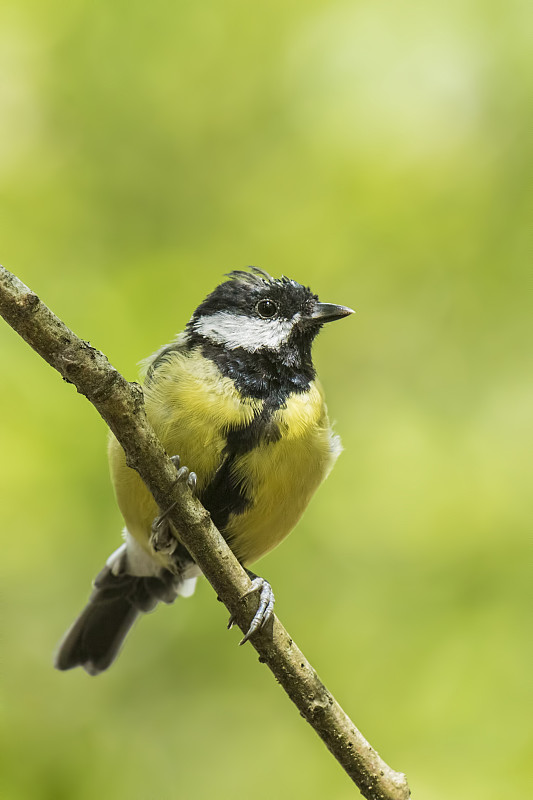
(258, 461)
(281, 475)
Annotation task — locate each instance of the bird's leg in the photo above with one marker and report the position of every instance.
(266, 605)
(162, 538)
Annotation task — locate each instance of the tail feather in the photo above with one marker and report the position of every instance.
(95, 638)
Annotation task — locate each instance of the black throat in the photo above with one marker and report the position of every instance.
(269, 375)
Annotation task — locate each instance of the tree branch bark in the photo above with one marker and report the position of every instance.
(121, 405)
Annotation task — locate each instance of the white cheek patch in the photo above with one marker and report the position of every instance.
(251, 333)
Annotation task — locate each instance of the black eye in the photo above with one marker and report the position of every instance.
(267, 309)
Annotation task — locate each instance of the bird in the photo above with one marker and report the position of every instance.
(236, 402)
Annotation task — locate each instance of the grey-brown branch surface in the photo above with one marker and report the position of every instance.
(121, 405)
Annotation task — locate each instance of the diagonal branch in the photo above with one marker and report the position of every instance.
(121, 405)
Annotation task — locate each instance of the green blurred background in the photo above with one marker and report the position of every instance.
(377, 152)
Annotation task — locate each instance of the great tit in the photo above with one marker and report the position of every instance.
(236, 397)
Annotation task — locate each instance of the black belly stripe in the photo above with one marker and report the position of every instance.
(225, 495)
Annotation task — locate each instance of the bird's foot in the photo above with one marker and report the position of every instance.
(162, 539)
(265, 609)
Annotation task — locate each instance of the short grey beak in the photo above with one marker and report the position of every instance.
(328, 312)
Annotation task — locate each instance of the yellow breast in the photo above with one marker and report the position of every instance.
(192, 407)
(281, 477)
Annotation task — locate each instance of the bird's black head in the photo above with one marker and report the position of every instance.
(261, 325)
